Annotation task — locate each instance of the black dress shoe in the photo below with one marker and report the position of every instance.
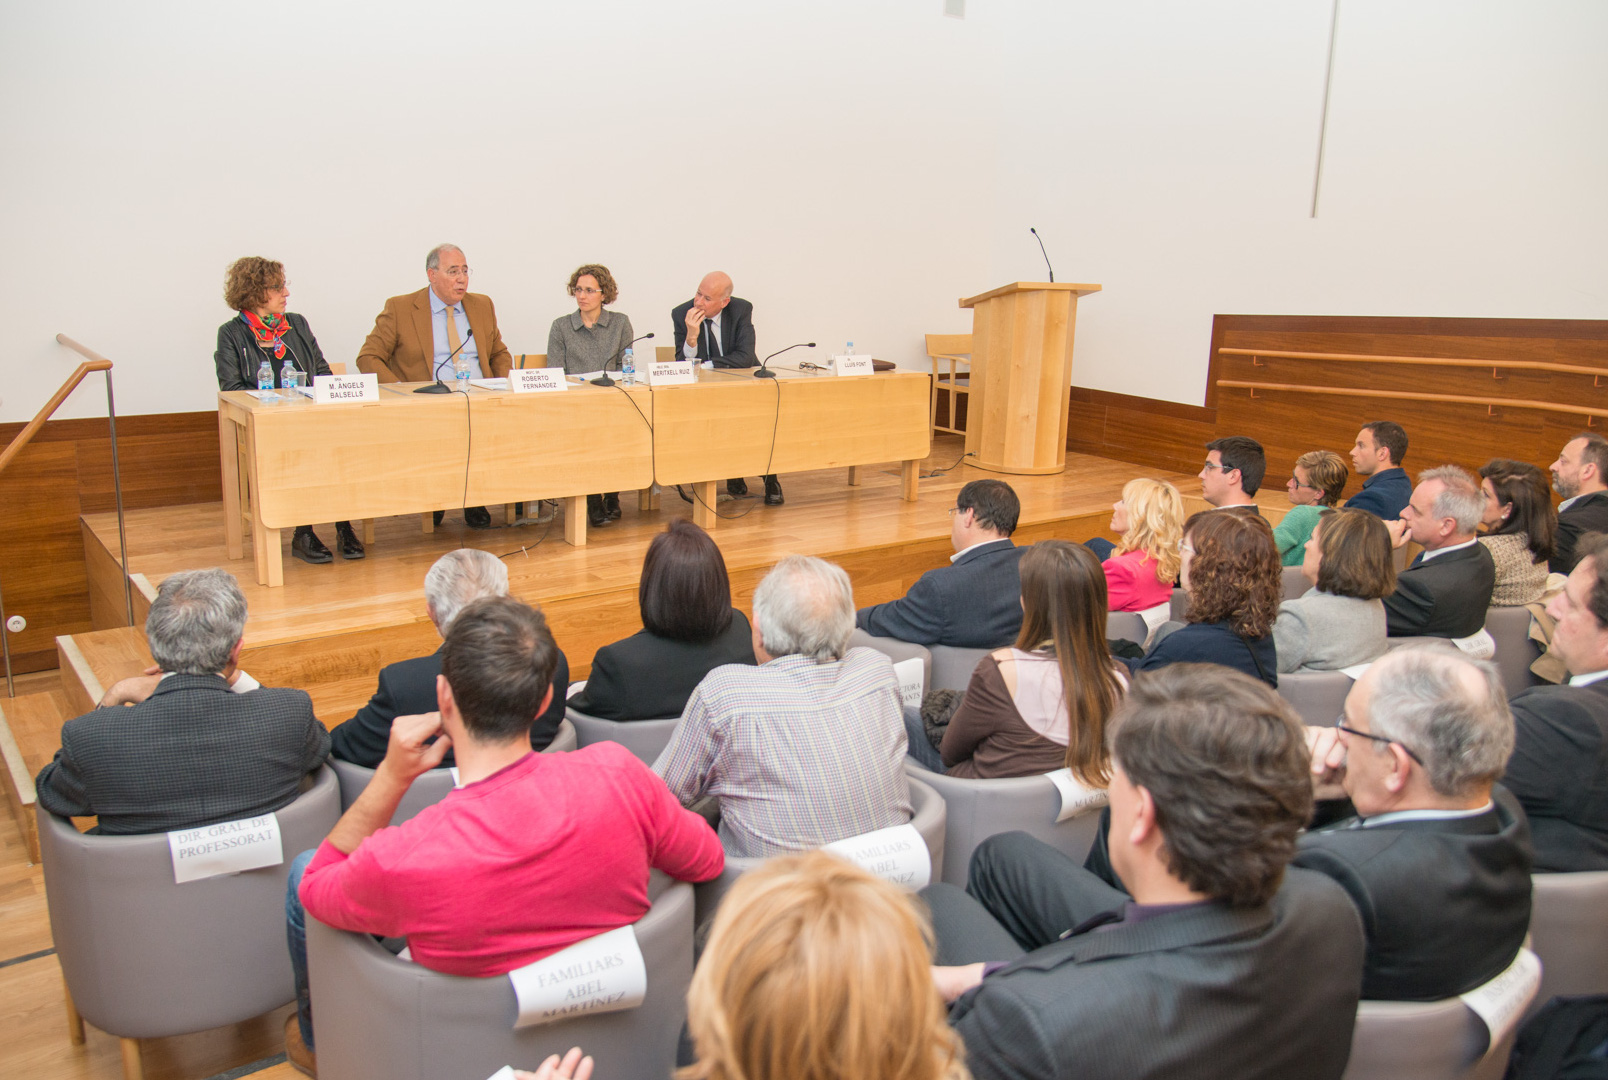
(737, 488)
(437, 516)
(611, 505)
(773, 491)
(309, 548)
(346, 541)
(477, 517)
(595, 512)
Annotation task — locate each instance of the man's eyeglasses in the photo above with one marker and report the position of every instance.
(1210, 465)
(1340, 725)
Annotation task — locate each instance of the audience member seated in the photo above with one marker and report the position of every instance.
(1316, 483)
(1519, 525)
(1216, 963)
(1340, 621)
(202, 742)
(1580, 475)
(1140, 568)
(1446, 590)
(809, 746)
(1437, 859)
(408, 687)
(1014, 719)
(1232, 473)
(689, 628)
(1232, 575)
(1377, 456)
(1559, 767)
(533, 852)
(971, 603)
(815, 970)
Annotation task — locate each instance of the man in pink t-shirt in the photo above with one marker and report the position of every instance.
(530, 854)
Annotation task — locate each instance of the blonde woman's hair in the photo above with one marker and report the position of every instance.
(815, 970)
(1155, 524)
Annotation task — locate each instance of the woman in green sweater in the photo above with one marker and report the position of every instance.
(1318, 482)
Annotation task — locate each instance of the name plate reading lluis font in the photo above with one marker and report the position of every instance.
(670, 373)
(330, 389)
(534, 380)
(225, 848)
(898, 855)
(601, 974)
(852, 365)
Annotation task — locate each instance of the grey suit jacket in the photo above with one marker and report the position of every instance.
(1206, 992)
(193, 753)
(1318, 631)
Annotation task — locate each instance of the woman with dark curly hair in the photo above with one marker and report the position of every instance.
(1519, 526)
(1232, 574)
(590, 339)
(263, 331)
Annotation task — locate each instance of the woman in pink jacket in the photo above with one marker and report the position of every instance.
(1143, 566)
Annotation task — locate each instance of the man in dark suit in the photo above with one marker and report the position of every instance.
(1559, 767)
(202, 743)
(976, 601)
(1437, 859)
(1377, 456)
(1578, 475)
(408, 687)
(1447, 589)
(1217, 961)
(719, 327)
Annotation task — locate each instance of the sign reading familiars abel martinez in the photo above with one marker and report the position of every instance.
(225, 848)
(605, 973)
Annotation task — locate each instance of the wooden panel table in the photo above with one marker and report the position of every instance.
(732, 424)
(408, 453)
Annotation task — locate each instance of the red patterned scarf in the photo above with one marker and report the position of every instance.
(270, 333)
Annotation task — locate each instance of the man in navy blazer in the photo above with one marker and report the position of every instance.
(1377, 457)
(1447, 589)
(976, 601)
(408, 687)
(1579, 475)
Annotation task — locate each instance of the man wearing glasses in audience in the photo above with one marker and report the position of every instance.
(1232, 474)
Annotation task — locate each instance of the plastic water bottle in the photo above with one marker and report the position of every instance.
(460, 372)
(265, 376)
(289, 375)
(628, 366)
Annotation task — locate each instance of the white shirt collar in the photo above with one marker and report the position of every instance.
(438, 305)
(245, 684)
(1428, 555)
(981, 543)
(1423, 815)
(1588, 678)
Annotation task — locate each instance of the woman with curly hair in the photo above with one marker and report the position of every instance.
(590, 339)
(1141, 569)
(1519, 526)
(263, 330)
(1232, 574)
(1316, 483)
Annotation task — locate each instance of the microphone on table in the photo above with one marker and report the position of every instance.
(439, 387)
(1044, 253)
(603, 379)
(765, 372)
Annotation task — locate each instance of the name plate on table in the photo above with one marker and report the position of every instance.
(601, 974)
(1075, 798)
(536, 380)
(225, 848)
(669, 372)
(898, 855)
(851, 365)
(329, 389)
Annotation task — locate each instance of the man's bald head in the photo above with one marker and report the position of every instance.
(714, 293)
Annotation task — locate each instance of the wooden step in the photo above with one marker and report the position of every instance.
(30, 735)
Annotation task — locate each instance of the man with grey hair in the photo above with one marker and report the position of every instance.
(1446, 590)
(1438, 858)
(202, 742)
(408, 687)
(416, 336)
(809, 746)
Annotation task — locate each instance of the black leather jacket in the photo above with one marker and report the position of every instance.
(238, 356)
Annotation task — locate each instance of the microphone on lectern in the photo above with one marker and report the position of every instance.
(1044, 253)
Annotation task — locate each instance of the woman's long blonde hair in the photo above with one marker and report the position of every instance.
(815, 970)
(1155, 524)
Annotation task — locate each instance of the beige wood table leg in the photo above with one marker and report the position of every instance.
(427, 522)
(368, 531)
(703, 505)
(229, 460)
(854, 476)
(276, 558)
(132, 1068)
(575, 520)
(909, 477)
(648, 499)
(508, 514)
(75, 1023)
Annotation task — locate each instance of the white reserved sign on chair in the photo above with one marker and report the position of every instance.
(602, 974)
(225, 848)
(898, 854)
(912, 682)
(1075, 798)
(1503, 1000)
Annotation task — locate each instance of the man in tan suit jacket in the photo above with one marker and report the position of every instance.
(402, 347)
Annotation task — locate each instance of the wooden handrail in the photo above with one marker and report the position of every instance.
(1431, 361)
(1403, 395)
(95, 362)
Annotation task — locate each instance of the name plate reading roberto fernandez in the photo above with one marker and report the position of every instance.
(536, 380)
(225, 848)
(898, 855)
(852, 365)
(670, 373)
(330, 389)
(601, 974)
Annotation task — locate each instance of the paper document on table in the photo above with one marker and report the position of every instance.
(490, 384)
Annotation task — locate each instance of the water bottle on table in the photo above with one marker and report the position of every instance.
(628, 366)
(460, 372)
(289, 375)
(265, 379)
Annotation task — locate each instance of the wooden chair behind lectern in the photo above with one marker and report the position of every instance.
(953, 349)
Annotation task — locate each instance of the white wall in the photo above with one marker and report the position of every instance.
(856, 166)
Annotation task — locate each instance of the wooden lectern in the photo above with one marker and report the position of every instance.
(1021, 375)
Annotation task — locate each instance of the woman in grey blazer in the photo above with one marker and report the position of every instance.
(1340, 621)
(591, 339)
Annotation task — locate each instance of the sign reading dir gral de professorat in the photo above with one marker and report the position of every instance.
(225, 848)
(605, 973)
